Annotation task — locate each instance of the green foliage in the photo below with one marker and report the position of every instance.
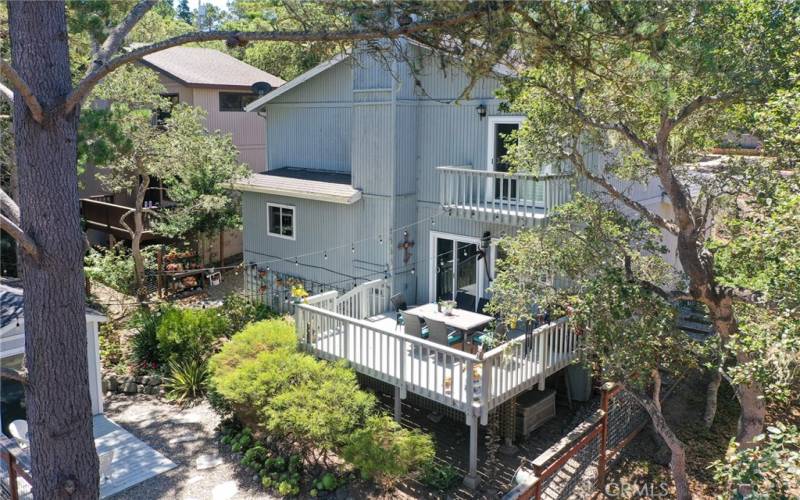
(440, 476)
(189, 334)
(112, 353)
(756, 249)
(627, 328)
(199, 167)
(241, 312)
(144, 343)
(112, 267)
(321, 410)
(383, 449)
(770, 470)
(187, 379)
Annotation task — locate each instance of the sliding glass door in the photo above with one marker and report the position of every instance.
(458, 269)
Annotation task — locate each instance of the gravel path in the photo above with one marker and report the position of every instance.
(183, 435)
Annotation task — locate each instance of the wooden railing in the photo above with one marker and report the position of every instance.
(106, 217)
(16, 465)
(517, 365)
(364, 301)
(431, 370)
(501, 196)
(455, 378)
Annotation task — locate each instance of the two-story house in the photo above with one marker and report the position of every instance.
(222, 86)
(374, 172)
(379, 181)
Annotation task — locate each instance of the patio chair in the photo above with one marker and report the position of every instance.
(19, 431)
(465, 301)
(105, 460)
(441, 334)
(413, 325)
(398, 301)
(500, 331)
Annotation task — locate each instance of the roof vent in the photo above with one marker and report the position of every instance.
(261, 88)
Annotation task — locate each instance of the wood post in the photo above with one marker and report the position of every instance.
(398, 404)
(471, 480)
(601, 462)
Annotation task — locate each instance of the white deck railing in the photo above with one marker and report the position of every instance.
(501, 196)
(364, 301)
(455, 378)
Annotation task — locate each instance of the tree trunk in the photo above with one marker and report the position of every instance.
(677, 462)
(136, 238)
(712, 392)
(63, 455)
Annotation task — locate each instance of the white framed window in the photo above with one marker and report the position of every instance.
(281, 221)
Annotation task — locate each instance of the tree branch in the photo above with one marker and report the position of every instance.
(24, 90)
(242, 37)
(647, 285)
(697, 103)
(117, 35)
(24, 240)
(9, 207)
(655, 219)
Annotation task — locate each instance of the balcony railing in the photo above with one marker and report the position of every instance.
(509, 198)
(106, 217)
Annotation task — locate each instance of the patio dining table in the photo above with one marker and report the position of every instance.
(459, 319)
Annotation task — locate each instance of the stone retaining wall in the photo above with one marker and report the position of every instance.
(128, 384)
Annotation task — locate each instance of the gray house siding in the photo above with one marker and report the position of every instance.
(391, 134)
(321, 229)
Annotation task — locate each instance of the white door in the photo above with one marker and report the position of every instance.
(458, 267)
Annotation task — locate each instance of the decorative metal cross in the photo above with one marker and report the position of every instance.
(406, 245)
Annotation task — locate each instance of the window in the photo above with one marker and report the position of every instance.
(281, 221)
(235, 101)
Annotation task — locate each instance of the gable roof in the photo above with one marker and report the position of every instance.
(200, 67)
(12, 301)
(308, 75)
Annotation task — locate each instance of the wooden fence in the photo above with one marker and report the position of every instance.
(13, 458)
(577, 465)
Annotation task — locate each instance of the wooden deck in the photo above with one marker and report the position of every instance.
(133, 462)
(377, 347)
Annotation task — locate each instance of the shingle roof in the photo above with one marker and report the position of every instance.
(12, 300)
(311, 184)
(199, 67)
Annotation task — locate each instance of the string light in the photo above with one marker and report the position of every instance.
(325, 255)
(296, 262)
(380, 239)
(413, 270)
(353, 248)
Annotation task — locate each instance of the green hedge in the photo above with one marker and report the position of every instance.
(318, 405)
(189, 334)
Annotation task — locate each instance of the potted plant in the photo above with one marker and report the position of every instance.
(447, 306)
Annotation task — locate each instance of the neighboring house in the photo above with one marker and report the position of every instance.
(222, 86)
(12, 351)
(378, 173)
(129, 460)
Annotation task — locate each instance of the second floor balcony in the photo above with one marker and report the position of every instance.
(502, 197)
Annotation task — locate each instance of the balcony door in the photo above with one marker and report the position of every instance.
(500, 128)
(456, 267)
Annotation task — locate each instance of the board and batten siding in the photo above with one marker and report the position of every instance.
(320, 227)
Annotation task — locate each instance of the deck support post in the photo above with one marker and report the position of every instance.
(398, 405)
(471, 480)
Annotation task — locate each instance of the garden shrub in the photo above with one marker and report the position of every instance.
(186, 380)
(322, 410)
(240, 312)
(439, 476)
(256, 338)
(384, 450)
(112, 267)
(144, 343)
(189, 334)
(111, 352)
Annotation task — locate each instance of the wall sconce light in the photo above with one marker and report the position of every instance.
(481, 109)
